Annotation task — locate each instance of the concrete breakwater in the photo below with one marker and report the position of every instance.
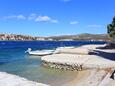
(78, 67)
(72, 59)
(76, 62)
(64, 61)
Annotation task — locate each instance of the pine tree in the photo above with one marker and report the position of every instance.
(111, 28)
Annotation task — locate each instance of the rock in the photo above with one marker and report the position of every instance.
(13, 80)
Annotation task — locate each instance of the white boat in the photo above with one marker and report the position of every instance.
(40, 52)
(66, 47)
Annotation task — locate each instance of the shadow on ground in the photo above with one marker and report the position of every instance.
(106, 55)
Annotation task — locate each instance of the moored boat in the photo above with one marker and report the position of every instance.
(39, 52)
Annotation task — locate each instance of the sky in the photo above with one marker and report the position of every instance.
(55, 17)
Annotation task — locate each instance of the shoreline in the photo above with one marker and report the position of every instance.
(95, 77)
(82, 75)
(7, 79)
(98, 69)
(92, 69)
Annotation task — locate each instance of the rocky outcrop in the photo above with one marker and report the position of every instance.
(76, 62)
(62, 66)
(78, 59)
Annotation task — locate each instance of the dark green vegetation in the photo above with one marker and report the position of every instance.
(111, 28)
(111, 32)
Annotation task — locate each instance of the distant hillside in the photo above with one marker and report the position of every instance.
(20, 37)
(85, 36)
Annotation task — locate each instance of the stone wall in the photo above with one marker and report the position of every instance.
(66, 66)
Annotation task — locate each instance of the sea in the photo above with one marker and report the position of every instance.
(14, 60)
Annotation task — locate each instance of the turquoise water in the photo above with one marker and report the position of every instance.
(13, 60)
(32, 69)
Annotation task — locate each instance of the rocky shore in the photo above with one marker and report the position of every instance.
(71, 60)
(13, 80)
(93, 69)
(77, 63)
(63, 66)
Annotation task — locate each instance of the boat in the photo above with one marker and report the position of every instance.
(39, 52)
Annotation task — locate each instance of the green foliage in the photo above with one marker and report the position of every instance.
(111, 28)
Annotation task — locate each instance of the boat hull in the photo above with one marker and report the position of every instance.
(41, 53)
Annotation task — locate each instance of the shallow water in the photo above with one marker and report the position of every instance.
(32, 69)
(13, 60)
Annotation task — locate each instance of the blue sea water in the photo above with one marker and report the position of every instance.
(14, 60)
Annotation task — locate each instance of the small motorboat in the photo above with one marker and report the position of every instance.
(39, 52)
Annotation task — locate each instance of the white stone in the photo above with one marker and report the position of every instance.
(13, 80)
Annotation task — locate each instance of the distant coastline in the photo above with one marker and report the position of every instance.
(85, 36)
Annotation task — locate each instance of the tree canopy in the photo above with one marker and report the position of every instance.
(111, 28)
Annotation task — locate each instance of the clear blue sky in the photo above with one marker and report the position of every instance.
(55, 17)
